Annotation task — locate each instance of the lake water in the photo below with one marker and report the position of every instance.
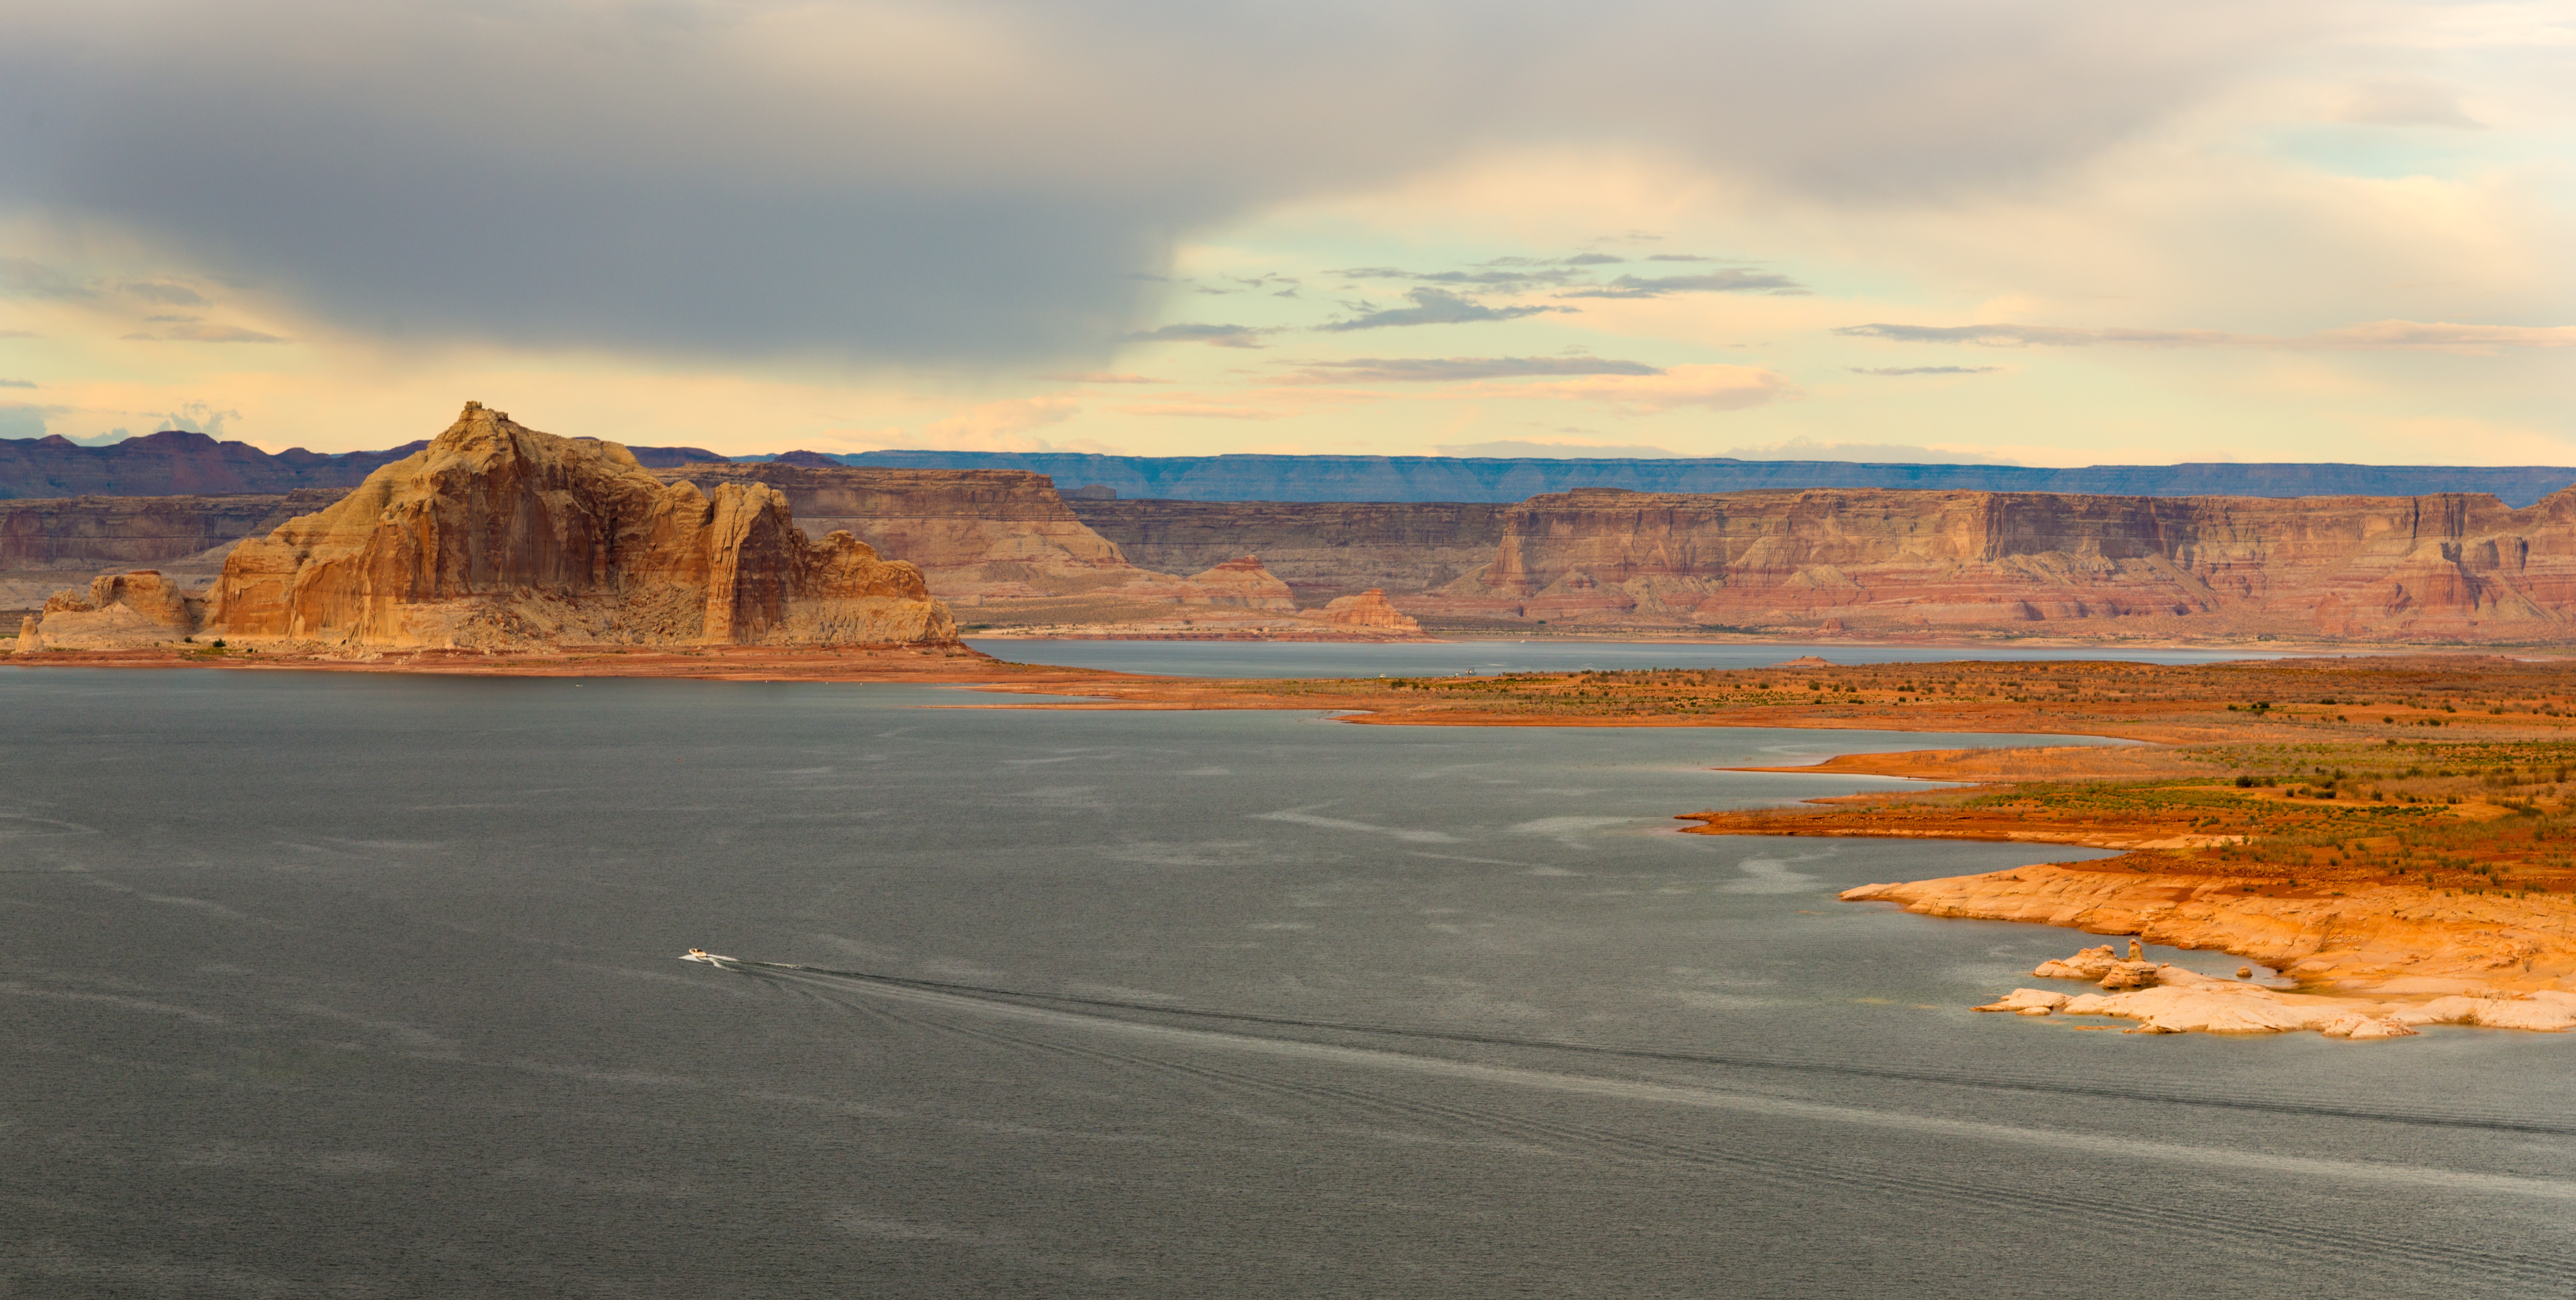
(331, 985)
(1444, 658)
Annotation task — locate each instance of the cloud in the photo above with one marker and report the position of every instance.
(1924, 370)
(2021, 336)
(1430, 370)
(1679, 257)
(180, 331)
(25, 277)
(1221, 336)
(17, 383)
(1716, 388)
(2445, 336)
(1729, 281)
(198, 417)
(2390, 334)
(163, 292)
(1208, 410)
(985, 181)
(2406, 103)
(1435, 307)
(1103, 377)
(1000, 426)
(1524, 449)
(22, 421)
(1875, 453)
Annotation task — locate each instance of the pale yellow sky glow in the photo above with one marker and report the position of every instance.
(2012, 232)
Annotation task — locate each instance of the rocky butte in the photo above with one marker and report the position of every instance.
(497, 535)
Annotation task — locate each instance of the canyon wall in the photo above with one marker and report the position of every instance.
(495, 534)
(1007, 546)
(973, 533)
(175, 462)
(98, 532)
(47, 542)
(2432, 567)
(1321, 549)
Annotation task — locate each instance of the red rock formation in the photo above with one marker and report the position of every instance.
(1886, 561)
(97, 532)
(1239, 584)
(1321, 549)
(1369, 610)
(45, 543)
(973, 533)
(498, 534)
(119, 611)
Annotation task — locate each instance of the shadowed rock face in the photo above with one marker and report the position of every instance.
(972, 532)
(1322, 549)
(497, 534)
(99, 532)
(2451, 565)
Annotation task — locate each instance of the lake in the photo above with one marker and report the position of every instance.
(327, 984)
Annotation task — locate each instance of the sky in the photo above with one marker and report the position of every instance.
(2046, 232)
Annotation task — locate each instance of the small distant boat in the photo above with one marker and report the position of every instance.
(701, 954)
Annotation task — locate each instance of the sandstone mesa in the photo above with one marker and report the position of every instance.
(497, 535)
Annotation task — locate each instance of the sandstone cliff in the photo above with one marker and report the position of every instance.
(973, 533)
(1893, 562)
(178, 462)
(1369, 610)
(98, 532)
(1321, 549)
(1240, 583)
(1005, 544)
(119, 611)
(496, 534)
(46, 542)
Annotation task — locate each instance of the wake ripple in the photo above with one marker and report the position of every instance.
(1963, 1079)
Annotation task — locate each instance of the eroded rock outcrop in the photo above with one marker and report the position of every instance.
(119, 611)
(1369, 611)
(497, 534)
(1321, 549)
(46, 543)
(2391, 952)
(2168, 999)
(972, 533)
(1881, 562)
(1240, 583)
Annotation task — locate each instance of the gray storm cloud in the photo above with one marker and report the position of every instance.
(982, 181)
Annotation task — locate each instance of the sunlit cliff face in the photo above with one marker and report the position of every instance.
(2047, 233)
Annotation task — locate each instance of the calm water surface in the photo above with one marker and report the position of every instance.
(366, 986)
(1421, 659)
